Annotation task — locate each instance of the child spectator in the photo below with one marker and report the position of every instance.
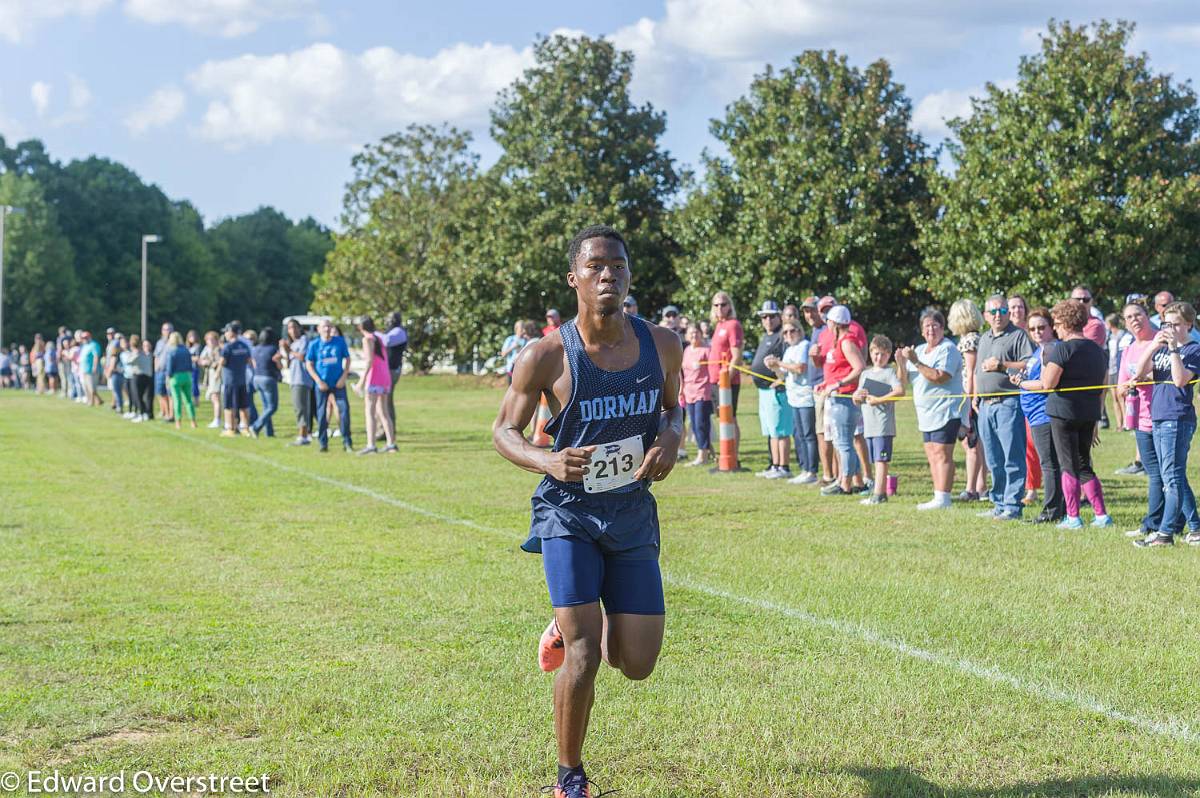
(697, 394)
(879, 386)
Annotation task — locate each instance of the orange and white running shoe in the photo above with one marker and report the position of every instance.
(550, 649)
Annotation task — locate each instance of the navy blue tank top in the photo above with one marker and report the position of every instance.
(607, 406)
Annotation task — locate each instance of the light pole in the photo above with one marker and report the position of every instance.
(146, 240)
(5, 210)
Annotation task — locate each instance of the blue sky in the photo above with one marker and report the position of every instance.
(234, 104)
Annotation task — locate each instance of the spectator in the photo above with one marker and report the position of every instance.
(630, 305)
(266, 358)
(936, 372)
(304, 400)
(51, 358)
(179, 378)
(1173, 361)
(1018, 312)
(1094, 329)
(878, 388)
(6, 369)
(814, 315)
(791, 313)
(143, 377)
(825, 343)
(89, 369)
(512, 347)
(160, 371)
(1074, 363)
(965, 322)
(1137, 401)
(1033, 405)
(670, 320)
(114, 373)
(328, 361)
(396, 341)
(774, 414)
(725, 346)
(194, 347)
(844, 364)
(553, 321)
(377, 381)
(1161, 300)
(795, 364)
(1003, 347)
(210, 361)
(1116, 339)
(696, 390)
(235, 393)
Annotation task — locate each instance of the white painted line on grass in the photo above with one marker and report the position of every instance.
(1171, 727)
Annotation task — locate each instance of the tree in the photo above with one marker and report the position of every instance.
(265, 251)
(402, 248)
(576, 151)
(39, 275)
(1086, 171)
(821, 191)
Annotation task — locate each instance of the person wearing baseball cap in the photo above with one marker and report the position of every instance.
(844, 363)
(774, 413)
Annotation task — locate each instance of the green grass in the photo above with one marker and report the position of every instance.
(191, 605)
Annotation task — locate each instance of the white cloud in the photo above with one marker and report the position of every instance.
(39, 92)
(323, 93)
(933, 111)
(18, 18)
(227, 18)
(79, 101)
(161, 108)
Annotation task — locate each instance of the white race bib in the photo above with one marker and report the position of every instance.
(613, 465)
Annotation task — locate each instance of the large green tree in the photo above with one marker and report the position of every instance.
(821, 191)
(576, 151)
(39, 264)
(403, 249)
(266, 265)
(1085, 171)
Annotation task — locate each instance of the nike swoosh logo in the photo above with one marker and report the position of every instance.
(642, 379)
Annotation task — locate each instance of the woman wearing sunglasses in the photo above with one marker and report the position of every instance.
(1033, 405)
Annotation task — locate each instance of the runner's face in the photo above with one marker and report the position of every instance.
(600, 275)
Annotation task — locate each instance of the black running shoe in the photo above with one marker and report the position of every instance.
(1154, 540)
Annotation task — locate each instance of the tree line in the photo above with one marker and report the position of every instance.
(1084, 171)
(73, 253)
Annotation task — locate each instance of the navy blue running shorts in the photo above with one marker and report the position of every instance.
(880, 448)
(599, 548)
(945, 434)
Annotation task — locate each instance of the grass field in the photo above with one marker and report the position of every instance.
(184, 604)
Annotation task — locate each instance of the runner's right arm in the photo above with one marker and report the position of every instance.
(535, 371)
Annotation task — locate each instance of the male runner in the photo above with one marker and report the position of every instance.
(612, 381)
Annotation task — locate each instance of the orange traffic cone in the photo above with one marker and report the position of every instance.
(540, 438)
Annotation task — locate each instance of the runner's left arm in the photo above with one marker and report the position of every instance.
(664, 452)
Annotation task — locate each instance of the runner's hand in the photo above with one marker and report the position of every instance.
(660, 459)
(569, 464)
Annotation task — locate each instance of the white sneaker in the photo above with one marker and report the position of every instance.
(803, 478)
(337, 433)
(780, 473)
(1136, 533)
(138, 419)
(934, 504)
(766, 472)
(128, 415)
(215, 424)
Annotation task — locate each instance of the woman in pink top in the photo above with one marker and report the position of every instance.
(378, 382)
(1135, 400)
(697, 393)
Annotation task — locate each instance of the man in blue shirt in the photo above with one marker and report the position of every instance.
(328, 362)
(89, 366)
(235, 356)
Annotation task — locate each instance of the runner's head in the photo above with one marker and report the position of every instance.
(599, 269)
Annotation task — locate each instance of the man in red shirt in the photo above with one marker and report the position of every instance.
(726, 346)
(553, 322)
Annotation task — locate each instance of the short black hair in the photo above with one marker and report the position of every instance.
(593, 231)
